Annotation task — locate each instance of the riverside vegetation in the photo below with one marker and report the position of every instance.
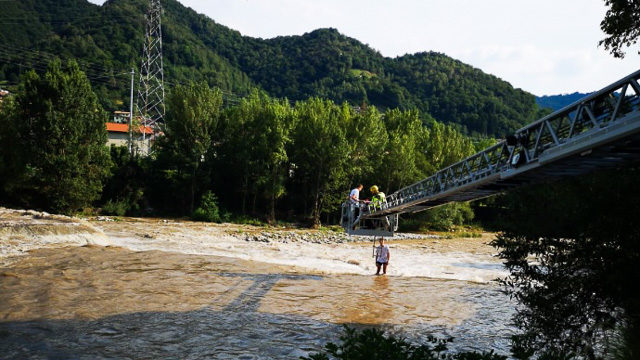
(261, 156)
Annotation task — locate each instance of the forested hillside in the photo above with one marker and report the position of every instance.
(107, 40)
(557, 102)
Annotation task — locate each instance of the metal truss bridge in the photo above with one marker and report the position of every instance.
(599, 131)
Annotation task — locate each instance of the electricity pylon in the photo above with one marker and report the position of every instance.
(150, 102)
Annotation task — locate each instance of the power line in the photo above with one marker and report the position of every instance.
(96, 73)
(70, 15)
(42, 53)
(42, 58)
(102, 79)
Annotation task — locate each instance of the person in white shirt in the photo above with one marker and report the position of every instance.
(382, 257)
(354, 196)
(354, 200)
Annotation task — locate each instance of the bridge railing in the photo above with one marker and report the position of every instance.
(474, 168)
(584, 118)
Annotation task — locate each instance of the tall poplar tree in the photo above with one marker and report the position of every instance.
(321, 154)
(186, 151)
(256, 136)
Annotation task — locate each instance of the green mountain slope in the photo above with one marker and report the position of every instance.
(557, 102)
(320, 63)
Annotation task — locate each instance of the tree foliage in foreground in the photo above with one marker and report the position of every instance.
(621, 24)
(372, 344)
(53, 141)
(572, 249)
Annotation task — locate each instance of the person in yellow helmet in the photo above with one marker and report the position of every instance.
(378, 199)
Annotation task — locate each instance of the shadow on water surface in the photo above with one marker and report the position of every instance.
(238, 331)
(88, 304)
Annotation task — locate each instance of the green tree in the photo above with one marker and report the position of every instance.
(186, 151)
(404, 158)
(320, 154)
(622, 26)
(208, 210)
(443, 145)
(54, 141)
(273, 127)
(257, 133)
(125, 189)
(5, 148)
(368, 140)
(572, 249)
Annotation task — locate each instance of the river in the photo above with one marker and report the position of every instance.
(148, 289)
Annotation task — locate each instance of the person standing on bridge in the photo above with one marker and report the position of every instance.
(354, 196)
(378, 199)
(382, 257)
(354, 201)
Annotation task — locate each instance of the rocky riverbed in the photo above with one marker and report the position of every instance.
(321, 237)
(323, 251)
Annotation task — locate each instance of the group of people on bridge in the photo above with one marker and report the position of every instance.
(378, 199)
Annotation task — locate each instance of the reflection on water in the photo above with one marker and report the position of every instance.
(480, 265)
(95, 302)
(372, 300)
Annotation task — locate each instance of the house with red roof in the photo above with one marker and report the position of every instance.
(3, 94)
(118, 132)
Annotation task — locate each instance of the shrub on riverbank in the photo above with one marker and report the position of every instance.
(117, 208)
(209, 210)
(442, 218)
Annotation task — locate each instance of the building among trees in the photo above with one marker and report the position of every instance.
(118, 132)
(3, 94)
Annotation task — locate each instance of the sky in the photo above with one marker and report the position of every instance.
(543, 46)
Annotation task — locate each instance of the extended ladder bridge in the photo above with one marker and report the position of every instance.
(602, 130)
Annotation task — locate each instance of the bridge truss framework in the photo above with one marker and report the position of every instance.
(599, 131)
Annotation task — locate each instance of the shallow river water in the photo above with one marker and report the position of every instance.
(143, 299)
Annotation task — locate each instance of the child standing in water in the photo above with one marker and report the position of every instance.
(382, 257)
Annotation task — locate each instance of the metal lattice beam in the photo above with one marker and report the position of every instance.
(599, 131)
(150, 101)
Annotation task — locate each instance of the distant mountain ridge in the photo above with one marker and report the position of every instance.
(557, 102)
(321, 63)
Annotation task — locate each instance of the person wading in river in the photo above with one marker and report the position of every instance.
(382, 257)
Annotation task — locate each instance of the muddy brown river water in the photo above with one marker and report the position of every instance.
(142, 298)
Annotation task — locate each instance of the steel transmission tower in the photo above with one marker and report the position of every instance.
(150, 102)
